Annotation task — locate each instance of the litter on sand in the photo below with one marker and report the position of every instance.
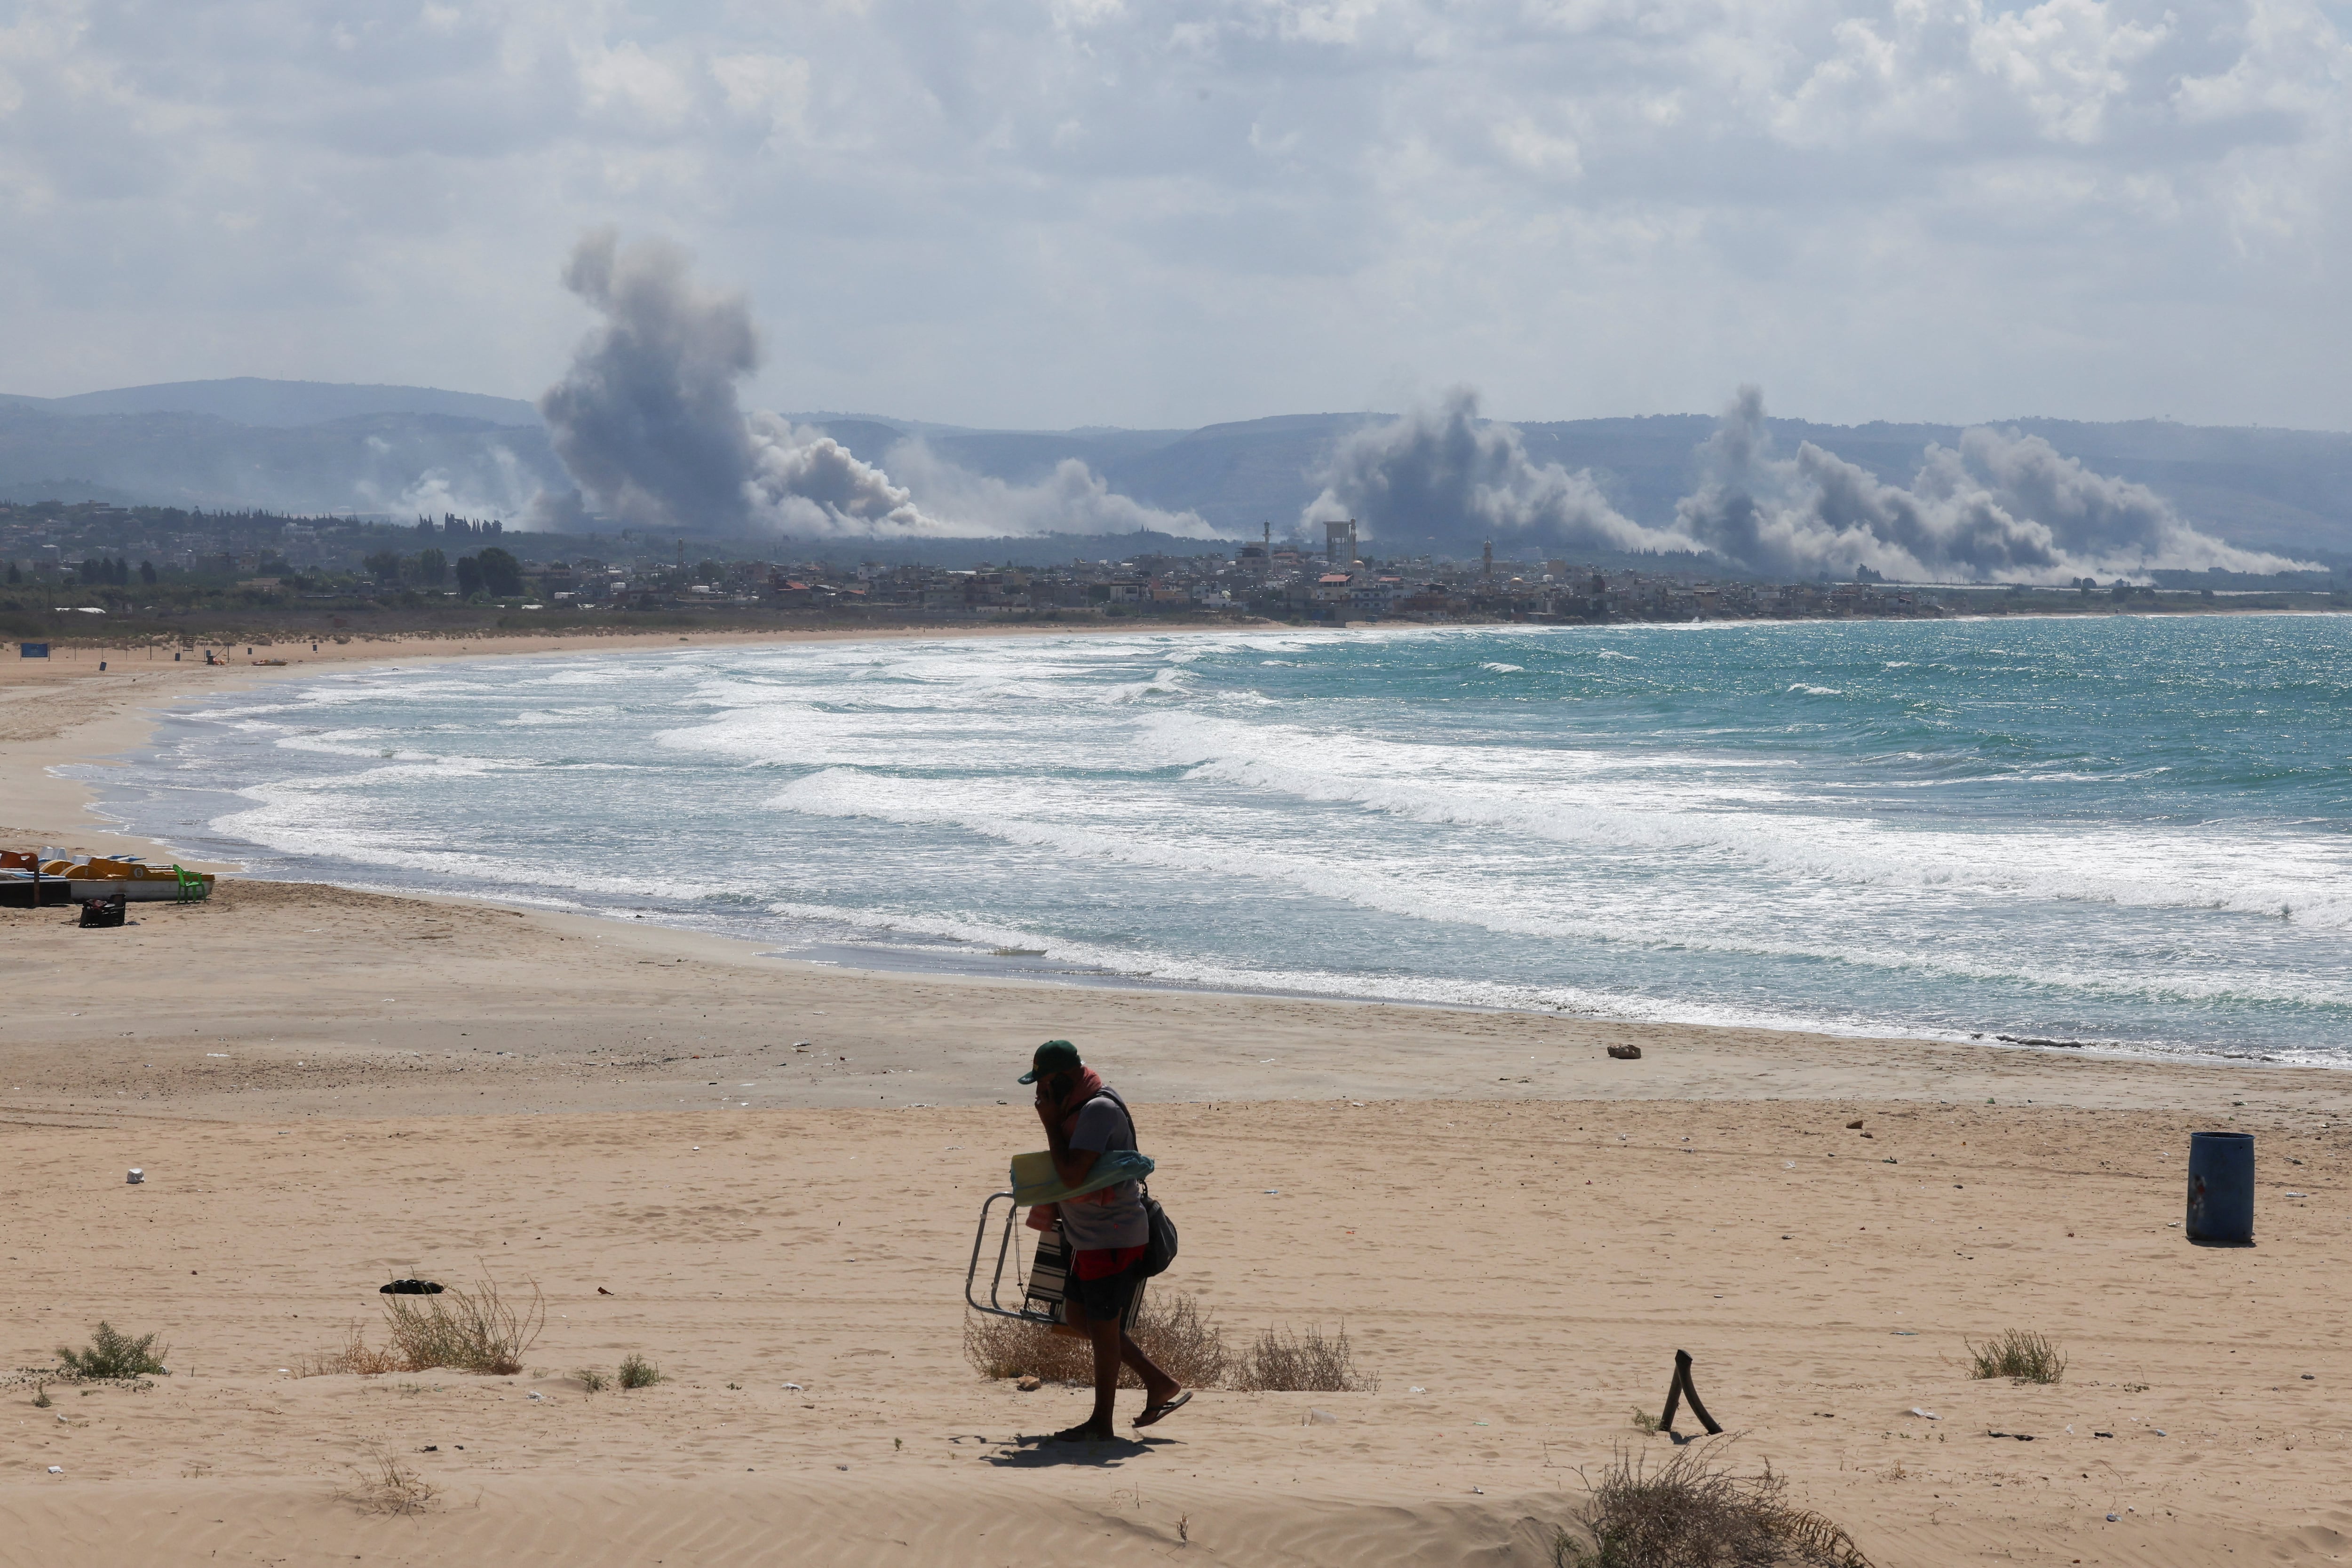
(1926, 1414)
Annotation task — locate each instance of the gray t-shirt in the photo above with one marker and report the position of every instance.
(1113, 1217)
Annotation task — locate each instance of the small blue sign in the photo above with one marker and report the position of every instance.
(32, 650)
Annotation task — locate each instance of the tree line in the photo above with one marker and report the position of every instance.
(98, 571)
(493, 570)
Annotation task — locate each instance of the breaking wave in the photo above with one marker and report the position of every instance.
(2127, 831)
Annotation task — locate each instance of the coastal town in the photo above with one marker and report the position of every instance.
(159, 568)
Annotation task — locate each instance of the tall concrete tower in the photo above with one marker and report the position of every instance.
(1339, 536)
(1487, 567)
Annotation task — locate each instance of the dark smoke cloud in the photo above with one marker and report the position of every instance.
(647, 419)
(1444, 471)
(561, 514)
(2001, 507)
(647, 423)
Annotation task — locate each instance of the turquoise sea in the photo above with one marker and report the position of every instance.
(2132, 832)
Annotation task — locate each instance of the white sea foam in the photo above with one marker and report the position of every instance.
(1341, 812)
(1684, 817)
(1023, 814)
(552, 716)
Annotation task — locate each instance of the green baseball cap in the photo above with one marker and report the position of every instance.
(1054, 1056)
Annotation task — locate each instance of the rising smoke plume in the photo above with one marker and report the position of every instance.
(1072, 499)
(1443, 470)
(647, 421)
(2001, 507)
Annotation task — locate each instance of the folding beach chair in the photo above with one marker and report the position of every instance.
(1044, 1280)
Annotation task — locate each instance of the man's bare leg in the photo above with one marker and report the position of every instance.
(1106, 1337)
(1159, 1388)
(1113, 1348)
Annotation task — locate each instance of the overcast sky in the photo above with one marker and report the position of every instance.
(1171, 213)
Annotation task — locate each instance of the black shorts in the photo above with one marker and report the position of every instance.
(1108, 1299)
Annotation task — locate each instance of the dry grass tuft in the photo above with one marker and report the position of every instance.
(1172, 1329)
(1010, 1347)
(593, 1381)
(1183, 1340)
(384, 1485)
(636, 1372)
(476, 1330)
(2028, 1357)
(113, 1354)
(355, 1359)
(1692, 1511)
(1281, 1361)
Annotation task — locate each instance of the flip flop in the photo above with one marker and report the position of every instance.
(1152, 1413)
(1080, 1435)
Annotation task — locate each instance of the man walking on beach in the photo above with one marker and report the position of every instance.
(1106, 1231)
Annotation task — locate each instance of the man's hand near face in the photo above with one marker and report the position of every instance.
(1071, 1164)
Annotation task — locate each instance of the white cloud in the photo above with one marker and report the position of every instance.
(769, 90)
(1027, 211)
(634, 89)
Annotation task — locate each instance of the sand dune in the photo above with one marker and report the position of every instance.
(1516, 1275)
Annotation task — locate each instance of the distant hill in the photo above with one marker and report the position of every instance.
(2276, 489)
(321, 446)
(250, 400)
(398, 464)
(1236, 476)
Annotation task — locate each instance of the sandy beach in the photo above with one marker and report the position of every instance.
(327, 1089)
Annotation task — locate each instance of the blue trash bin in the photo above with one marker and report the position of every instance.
(2221, 1187)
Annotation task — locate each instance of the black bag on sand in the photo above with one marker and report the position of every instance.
(102, 911)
